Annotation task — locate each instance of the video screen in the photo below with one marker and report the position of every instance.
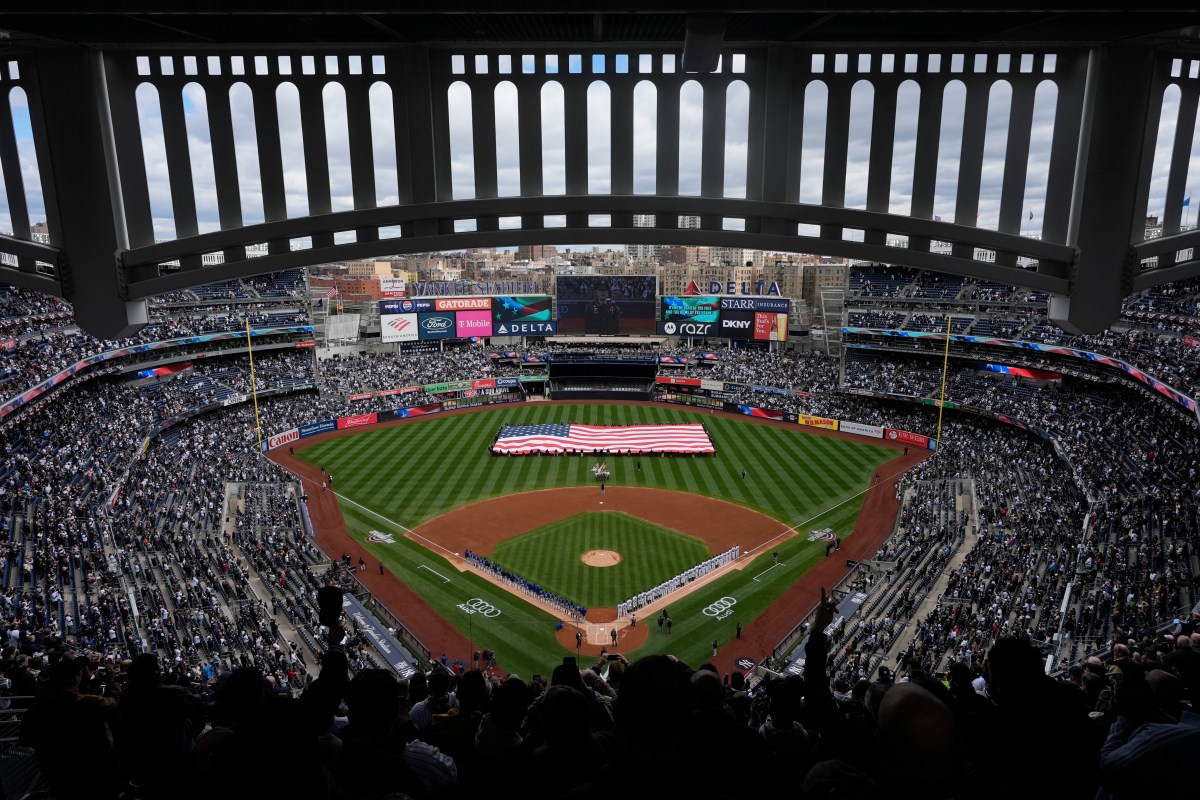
(691, 309)
(596, 305)
(522, 308)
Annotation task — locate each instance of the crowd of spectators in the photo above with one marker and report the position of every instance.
(132, 565)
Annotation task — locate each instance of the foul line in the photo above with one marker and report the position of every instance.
(404, 528)
(435, 572)
(786, 532)
(768, 569)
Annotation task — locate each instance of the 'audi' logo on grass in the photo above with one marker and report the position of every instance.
(721, 608)
(478, 605)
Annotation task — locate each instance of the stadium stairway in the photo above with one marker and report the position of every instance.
(287, 631)
(963, 502)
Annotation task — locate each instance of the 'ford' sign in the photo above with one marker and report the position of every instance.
(439, 325)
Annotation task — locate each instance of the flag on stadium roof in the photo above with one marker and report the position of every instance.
(333, 292)
(563, 437)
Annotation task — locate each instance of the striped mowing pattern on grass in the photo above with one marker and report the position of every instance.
(412, 473)
(550, 557)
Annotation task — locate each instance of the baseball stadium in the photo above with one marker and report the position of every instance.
(410, 404)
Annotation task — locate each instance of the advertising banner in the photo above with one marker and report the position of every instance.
(451, 386)
(872, 431)
(817, 422)
(473, 323)
(402, 390)
(313, 428)
(361, 396)
(390, 650)
(778, 305)
(907, 437)
(677, 381)
(765, 413)
(357, 420)
(398, 327)
(417, 411)
(280, 439)
(462, 304)
(737, 324)
(671, 328)
(438, 325)
(712, 386)
(301, 345)
(503, 383)
(525, 328)
(398, 306)
(770, 327)
(391, 287)
(484, 383)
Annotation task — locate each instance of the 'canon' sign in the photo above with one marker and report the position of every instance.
(280, 439)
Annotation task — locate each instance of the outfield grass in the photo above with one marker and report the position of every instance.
(393, 479)
(550, 557)
(415, 472)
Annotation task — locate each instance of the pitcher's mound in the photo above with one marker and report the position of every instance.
(601, 558)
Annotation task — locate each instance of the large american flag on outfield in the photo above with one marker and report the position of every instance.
(562, 437)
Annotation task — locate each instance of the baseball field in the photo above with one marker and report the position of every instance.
(435, 488)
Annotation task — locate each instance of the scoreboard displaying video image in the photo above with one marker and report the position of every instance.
(523, 315)
(691, 309)
(606, 305)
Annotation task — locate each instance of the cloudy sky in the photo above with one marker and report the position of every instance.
(599, 146)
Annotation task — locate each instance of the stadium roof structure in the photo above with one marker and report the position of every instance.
(549, 21)
(77, 80)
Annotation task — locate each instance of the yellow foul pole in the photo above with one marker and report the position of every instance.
(945, 364)
(253, 385)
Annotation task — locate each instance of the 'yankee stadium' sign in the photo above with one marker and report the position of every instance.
(458, 288)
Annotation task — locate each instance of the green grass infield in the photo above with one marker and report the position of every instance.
(552, 557)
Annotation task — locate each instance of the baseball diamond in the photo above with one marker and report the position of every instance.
(434, 486)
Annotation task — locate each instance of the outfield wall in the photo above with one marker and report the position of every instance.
(470, 398)
(467, 399)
